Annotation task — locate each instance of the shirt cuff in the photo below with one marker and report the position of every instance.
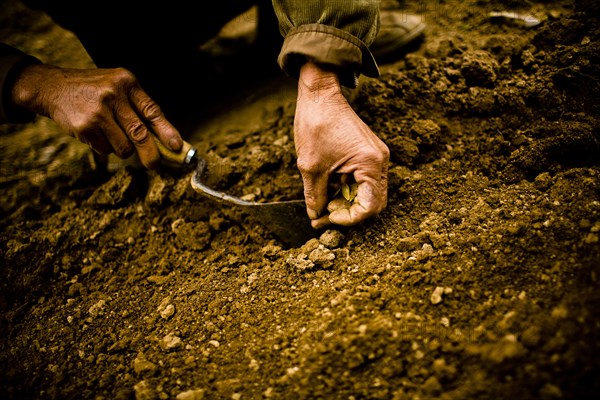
(324, 44)
(10, 66)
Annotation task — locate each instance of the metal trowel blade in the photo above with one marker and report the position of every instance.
(287, 220)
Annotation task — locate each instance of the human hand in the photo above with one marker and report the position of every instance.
(330, 138)
(105, 108)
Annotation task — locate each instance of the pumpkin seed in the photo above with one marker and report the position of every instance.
(349, 191)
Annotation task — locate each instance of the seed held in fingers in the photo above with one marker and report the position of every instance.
(349, 191)
(338, 204)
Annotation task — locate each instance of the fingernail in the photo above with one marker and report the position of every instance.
(312, 214)
(175, 143)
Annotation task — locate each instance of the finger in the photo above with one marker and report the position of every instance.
(338, 204)
(139, 135)
(117, 138)
(315, 193)
(96, 140)
(151, 112)
(321, 222)
(335, 204)
(370, 200)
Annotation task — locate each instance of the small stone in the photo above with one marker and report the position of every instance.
(248, 197)
(171, 342)
(591, 238)
(194, 394)
(214, 343)
(168, 312)
(143, 391)
(560, 312)
(550, 391)
(331, 238)
(76, 289)
(97, 308)
(300, 262)
(142, 367)
(436, 296)
(505, 349)
(271, 251)
(543, 181)
(432, 385)
(443, 370)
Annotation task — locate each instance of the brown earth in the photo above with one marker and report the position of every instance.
(479, 280)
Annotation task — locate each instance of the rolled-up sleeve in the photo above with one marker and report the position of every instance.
(336, 33)
(11, 62)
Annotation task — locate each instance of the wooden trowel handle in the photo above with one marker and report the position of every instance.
(184, 156)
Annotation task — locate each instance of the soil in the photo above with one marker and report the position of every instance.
(479, 280)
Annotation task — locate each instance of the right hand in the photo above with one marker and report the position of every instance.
(330, 139)
(104, 108)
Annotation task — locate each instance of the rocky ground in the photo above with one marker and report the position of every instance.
(479, 280)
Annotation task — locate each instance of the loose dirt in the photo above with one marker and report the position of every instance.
(479, 280)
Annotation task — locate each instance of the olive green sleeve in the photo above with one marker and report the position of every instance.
(335, 33)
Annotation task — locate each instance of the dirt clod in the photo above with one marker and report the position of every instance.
(331, 238)
(479, 68)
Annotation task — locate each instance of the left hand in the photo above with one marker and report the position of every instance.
(330, 138)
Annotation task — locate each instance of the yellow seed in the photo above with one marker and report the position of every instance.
(338, 204)
(349, 191)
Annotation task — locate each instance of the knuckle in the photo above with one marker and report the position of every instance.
(85, 125)
(116, 83)
(307, 166)
(137, 132)
(376, 156)
(150, 110)
(124, 76)
(385, 151)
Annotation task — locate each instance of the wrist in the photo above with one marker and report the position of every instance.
(315, 78)
(26, 90)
